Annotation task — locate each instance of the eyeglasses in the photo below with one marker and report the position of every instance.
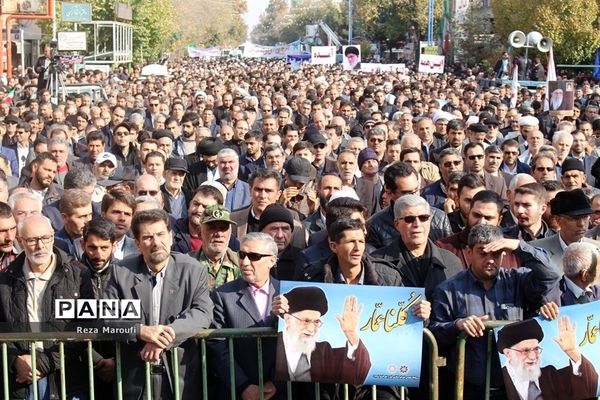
(252, 256)
(411, 219)
(317, 323)
(476, 157)
(122, 134)
(147, 193)
(153, 104)
(376, 140)
(544, 169)
(46, 239)
(536, 351)
(448, 164)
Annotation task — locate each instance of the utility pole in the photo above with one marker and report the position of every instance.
(349, 21)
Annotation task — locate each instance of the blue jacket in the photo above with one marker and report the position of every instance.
(11, 155)
(516, 294)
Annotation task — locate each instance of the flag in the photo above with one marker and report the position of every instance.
(597, 63)
(550, 76)
(445, 28)
(514, 88)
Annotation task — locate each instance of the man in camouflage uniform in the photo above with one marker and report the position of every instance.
(221, 262)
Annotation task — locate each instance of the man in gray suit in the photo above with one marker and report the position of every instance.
(572, 209)
(245, 303)
(175, 304)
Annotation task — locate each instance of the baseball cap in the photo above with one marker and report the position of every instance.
(106, 156)
(217, 213)
(298, 169)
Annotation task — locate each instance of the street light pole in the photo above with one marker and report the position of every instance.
(349, 21)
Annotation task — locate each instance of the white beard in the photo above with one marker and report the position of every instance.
(524, 373)
(296, 343)
(556, 102)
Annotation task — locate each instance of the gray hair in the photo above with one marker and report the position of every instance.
(79, 178)
(356, 139)
(409, 200)
(12, 200)
(268, 242)
(21, 225)
(517, 179)
(148, 199)
(449, 151)
(484, 234)
(57, 140)
(579, 257)
(561, 135)
(136, 118)
(227, 152)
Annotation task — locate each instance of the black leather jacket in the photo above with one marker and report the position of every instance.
(381, 230)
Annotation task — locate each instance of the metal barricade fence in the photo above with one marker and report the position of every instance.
(230, 335)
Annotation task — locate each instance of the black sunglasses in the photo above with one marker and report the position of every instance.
(410, 219)
(252, 256)
(147, 193)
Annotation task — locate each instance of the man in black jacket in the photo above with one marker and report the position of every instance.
(28, 290)
(420, 262)
(99, 244)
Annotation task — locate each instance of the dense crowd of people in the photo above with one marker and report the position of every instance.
(198, 192)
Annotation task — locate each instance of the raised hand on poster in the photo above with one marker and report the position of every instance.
(567, 340)
(349, 319)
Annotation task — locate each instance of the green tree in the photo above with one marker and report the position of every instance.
(271, 22)
(572, 26)
(390, 21)
(211, 22)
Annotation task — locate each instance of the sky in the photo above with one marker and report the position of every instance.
(255, 8)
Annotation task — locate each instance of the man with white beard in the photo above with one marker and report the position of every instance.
(519, 342)
(301, 358)
(556, 99)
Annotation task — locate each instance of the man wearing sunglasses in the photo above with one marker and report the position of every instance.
(420, 262)
(245, 303)
(474, 157)
(450, 160)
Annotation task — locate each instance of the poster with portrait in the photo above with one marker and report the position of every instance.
(552, 358)
(350, 334)
(561, 97)
(351, 59)
(322, 55)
